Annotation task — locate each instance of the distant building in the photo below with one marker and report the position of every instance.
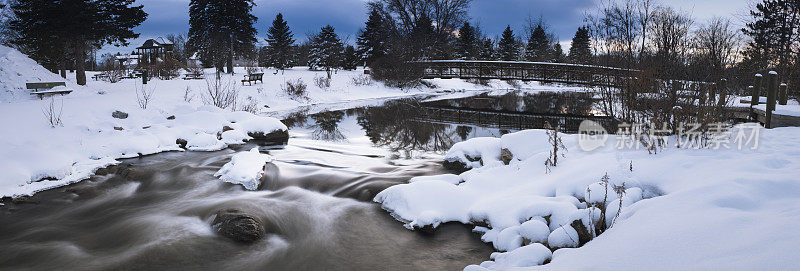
(155, 50)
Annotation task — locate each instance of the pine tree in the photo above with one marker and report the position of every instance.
(423, 39)
(539, 48)
(558, 53)
(372, 40)
(774, 32)
(221, 30)
(280, 40)
(467, 43)
(507, 47)
(326, 50)
(487, 49)
(57, 32)
(350, 58)
(580, 51)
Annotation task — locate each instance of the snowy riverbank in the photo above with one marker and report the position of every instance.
(35, 156)
(683, 209)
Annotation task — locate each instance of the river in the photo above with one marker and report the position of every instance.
(155, 212)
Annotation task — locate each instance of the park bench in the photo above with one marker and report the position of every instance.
(193, 75)
(250, 78)
(48, 88)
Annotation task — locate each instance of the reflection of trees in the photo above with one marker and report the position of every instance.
(327, 126)
(296, 119)
(394, 126)
(463, 132)
(558, 103)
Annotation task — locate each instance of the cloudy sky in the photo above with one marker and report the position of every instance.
(306, 16)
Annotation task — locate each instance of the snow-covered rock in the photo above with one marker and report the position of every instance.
(245, 168)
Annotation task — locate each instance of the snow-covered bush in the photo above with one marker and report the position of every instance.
(322, 82)
(295, 88)
(362, 80)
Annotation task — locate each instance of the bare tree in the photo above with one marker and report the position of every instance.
(717, 45)
(670, 38)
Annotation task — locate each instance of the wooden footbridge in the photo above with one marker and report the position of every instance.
(526, 71)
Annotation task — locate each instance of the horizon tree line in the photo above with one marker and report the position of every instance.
(638, 34)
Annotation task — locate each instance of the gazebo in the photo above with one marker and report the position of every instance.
(154, 50)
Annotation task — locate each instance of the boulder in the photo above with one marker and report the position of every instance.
(119, 115)
(238, 226)
(506, 156)
(277, 136)
(181, 142)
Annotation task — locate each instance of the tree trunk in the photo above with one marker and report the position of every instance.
(230, 63)
(80, 61)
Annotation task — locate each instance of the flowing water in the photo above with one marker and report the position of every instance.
(155, 212)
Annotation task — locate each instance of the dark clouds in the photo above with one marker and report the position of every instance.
(306, 16)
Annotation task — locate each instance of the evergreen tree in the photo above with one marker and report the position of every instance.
(487, 49)
(423, 39)
(774, 32)
(350, 58)
(220, 30)
(281, 41)
(55, 32)
(580, 51)
(372, 40)
(558, 53)
(539, 48)
(467, 43)
(326, 50)
(507, 47)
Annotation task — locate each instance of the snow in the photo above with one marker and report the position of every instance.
(36, 157)
(682, 209)
(245, 168)
(792, 108)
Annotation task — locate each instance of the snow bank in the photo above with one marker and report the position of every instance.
(16, 69)
(35, 156)
(245, 168)
(681, 209)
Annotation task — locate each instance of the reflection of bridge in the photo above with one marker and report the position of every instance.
(508, 119)
(526, 71)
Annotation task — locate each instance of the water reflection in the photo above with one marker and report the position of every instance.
(326, 126)
(410, 125)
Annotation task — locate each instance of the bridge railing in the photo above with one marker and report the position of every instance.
(526, 71)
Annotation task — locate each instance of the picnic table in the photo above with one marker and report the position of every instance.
(48, 88)
(100, 76)
(193, 75)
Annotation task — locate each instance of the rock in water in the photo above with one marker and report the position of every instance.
(238, 226)
(119, 115)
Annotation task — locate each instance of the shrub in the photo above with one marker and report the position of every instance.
(144, 94)
(322, 82)
(221, 93)
(362, 80)
(167, 70)
(295, 89)
(52, 113)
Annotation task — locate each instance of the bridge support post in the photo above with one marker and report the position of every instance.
(772, 91)
(783, 97)
(756, 91)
